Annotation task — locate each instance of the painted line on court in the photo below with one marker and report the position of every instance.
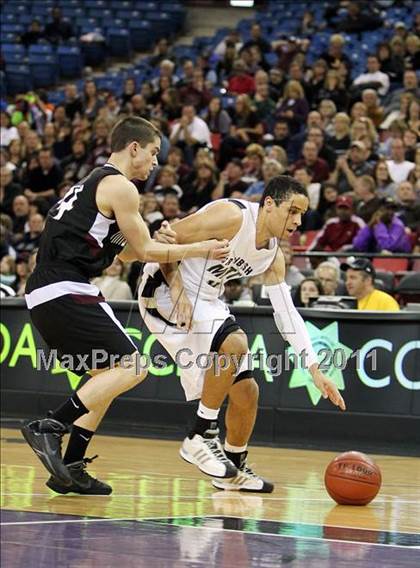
(160, 496)
(92, 520)
(317, 524)
(156, 518)
(151, 519)
(320, 539)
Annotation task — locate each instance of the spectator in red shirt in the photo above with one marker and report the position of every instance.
(339, 232)
(240, 83)
(317, 167)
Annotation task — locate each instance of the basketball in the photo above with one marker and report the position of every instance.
(352, 478)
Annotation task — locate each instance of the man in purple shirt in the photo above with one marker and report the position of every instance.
(384, 233)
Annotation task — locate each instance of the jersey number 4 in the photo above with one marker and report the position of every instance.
(67, 203)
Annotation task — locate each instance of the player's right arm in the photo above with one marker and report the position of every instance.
(121, 200)
(292, 327)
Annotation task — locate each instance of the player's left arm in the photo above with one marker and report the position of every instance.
(292, 327)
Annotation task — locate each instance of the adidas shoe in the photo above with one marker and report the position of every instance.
(82, 482)
(45, 438)
(208, 455)
(245, 480)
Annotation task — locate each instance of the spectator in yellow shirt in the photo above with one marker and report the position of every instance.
(360, 283)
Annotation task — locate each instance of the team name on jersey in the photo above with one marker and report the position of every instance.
(232, 267)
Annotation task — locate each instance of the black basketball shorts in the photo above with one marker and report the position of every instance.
(82, 332)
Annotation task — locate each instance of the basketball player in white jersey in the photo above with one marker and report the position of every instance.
(252, 230)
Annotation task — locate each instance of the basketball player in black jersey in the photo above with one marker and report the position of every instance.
(97, 219)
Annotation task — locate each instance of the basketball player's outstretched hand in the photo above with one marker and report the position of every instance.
(165, 234)
(216, 250)
(329, 389)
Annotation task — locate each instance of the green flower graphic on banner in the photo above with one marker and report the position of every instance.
(72, 378)
(327, 345)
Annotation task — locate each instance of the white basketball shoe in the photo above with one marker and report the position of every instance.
(208, 455)
(245, 480)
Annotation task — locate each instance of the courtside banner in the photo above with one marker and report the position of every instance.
(373, 358)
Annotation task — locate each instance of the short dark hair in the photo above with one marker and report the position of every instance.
(133, 129)
(280, 188)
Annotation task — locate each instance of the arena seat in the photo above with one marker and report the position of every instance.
(98, 4)
(11, 28)
(142, 34)
(119, 42)
(11, 18)
(387, 279)
(43, 68)
(13, 53)
(308, 238)
(41, 49)
(408, 289)
(94, 52)
(9, 37)
(70, 61)
(390, 264)
(19, 79)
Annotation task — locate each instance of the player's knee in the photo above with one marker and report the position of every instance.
(235, 343)
(245, 393)
(133, 369)
(133, 377)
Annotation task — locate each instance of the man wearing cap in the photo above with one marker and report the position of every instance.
(339, 232)
(385, 232)
(351, 166)
(360, 279)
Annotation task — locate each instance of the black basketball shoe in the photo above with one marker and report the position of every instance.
(45, 438)
(82, 482)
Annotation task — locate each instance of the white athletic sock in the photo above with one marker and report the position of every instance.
(207, 413)
(235, 449)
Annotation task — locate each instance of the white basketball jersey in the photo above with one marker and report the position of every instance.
(206, 278)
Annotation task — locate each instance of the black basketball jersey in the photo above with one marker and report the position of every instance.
(77, 234)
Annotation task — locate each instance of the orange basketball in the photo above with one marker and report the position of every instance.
(352, 478)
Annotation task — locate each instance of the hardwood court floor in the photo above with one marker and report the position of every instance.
(151, 482)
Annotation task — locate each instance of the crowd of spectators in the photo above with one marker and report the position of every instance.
(230, 122)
